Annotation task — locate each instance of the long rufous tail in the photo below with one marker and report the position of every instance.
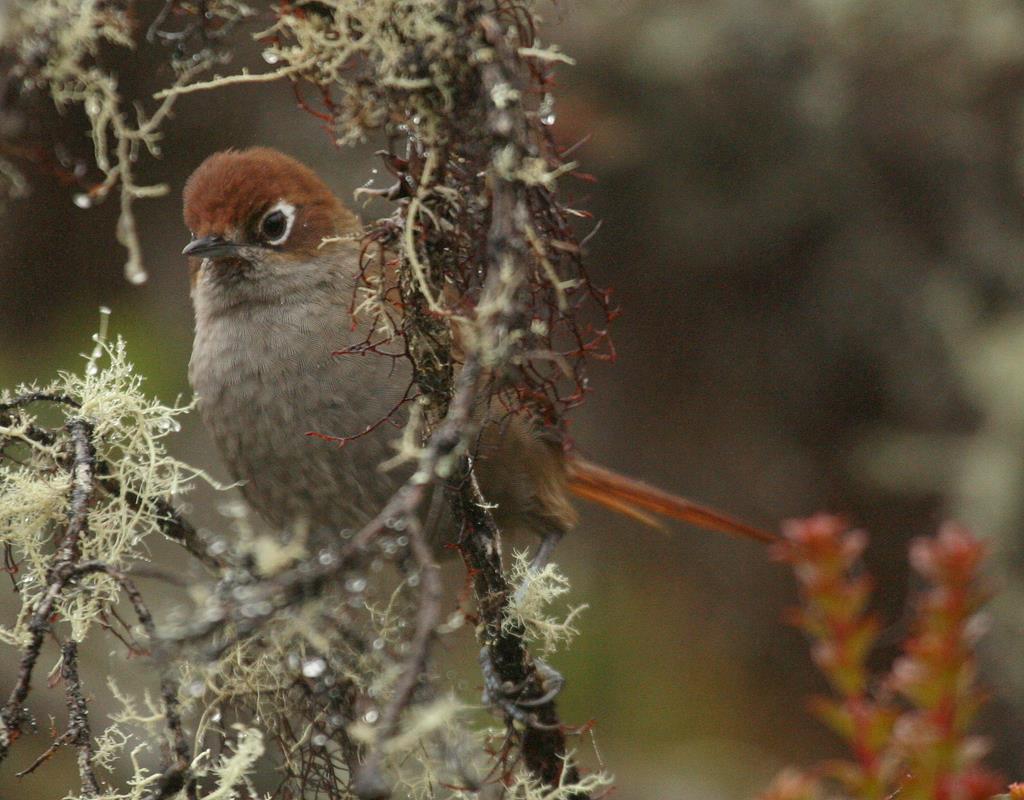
(635, 499)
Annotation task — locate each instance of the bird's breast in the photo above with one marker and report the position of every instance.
(267, 382)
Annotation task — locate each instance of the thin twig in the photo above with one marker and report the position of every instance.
(67, 567)
(369, 783)
(543, 745)
(36, 397)
(177, 775)
(46, 755)
(82, 486)
(78, 733)
(172, 524)
(64, 569)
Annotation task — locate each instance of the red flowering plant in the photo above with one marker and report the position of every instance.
(907, 730)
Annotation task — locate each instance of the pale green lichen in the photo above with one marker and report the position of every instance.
(324, 46)
(233, 771)
(128, 429)
(528, 607)
(130, 472)
(594, 785)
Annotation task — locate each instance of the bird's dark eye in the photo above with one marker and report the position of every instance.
(274, 226)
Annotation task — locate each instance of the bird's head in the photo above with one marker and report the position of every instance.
(259, 220)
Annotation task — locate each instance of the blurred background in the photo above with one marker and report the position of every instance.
(813, 221)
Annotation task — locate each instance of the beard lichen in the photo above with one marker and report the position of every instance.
(84, 485)
(128, 431)
(528, 613)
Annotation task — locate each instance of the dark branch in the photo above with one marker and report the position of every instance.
(64, 569)
(78, 733)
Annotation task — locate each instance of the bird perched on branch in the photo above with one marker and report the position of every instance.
(274, 262)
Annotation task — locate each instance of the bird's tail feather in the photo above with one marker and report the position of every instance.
(640, 500)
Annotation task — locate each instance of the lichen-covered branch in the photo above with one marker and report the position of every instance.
(476, 279)
(64, 568)
(78, 733)
(52, 487)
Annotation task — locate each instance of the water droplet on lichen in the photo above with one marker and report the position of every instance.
(168, 425)
(314, 667)
(82, 200)
(218, 547)
(355, 585)
(260, 609)
(547, 110)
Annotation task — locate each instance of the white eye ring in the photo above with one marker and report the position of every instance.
(287, 210)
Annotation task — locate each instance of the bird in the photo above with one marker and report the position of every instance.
(274, 259)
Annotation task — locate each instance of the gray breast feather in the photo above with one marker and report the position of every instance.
(263, 386)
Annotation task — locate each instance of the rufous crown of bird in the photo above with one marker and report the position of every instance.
(274, 260)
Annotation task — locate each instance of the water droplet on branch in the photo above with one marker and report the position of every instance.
(355, 585)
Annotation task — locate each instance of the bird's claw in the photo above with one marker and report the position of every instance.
(508, 696)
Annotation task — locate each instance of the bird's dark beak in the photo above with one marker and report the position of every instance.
(211, 247)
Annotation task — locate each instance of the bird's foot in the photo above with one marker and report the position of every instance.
(515, 699)
(549, 541)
